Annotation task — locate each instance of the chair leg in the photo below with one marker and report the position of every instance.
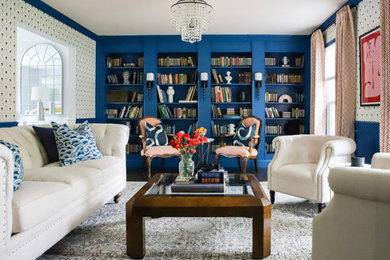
(321, 206)
(162, 163)
(272, 195)
(245, 160)
(239, 163)
(256, 167)
(149, 167)
(117, 196)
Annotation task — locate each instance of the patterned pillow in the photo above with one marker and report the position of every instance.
(155, 135)
(75, 145)
(18, 166)
(243, 134)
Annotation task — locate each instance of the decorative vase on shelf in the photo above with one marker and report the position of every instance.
(242, 96)
(186, 167)
(170, 93)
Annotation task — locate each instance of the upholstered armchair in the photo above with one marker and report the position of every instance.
(301, 165)
(355, 224)
(243, 153)
(159, 151)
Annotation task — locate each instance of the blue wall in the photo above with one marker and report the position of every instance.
(367, 139)
(258, 45)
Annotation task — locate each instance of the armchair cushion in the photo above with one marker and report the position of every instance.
(235, 151)
(160, 151)
(243, 134)
(155, 135)
(18, 166)
(381, 161)
(303, 173)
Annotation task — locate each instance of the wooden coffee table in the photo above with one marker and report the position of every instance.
(244, 198)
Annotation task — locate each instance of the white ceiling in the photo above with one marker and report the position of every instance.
(151, 17)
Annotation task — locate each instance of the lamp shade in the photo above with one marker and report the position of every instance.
(258, 76)
(40, 93)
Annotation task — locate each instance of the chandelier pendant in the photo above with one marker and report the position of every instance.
(191, 18)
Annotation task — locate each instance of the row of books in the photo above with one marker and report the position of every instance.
(216, 112)
(217, 129)
(191, 95)
(214, 176)
(271, 112)
(299, 97)
(170, 129)
(273, 129)
(269, 148)
(177, 112)
(134, 78)
(125, 112)
(133, 148)
(297, 112)
(124, 96)
(181, 62)
(284, 78)
(133, 130)
(299, 62)
(221, 94)
(245, 77)
(180, 78)
(118, 62)
(231, 61)
(271, 97)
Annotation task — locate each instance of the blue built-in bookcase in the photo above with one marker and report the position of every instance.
(204, 54)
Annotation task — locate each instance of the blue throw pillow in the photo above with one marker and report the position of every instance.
(155, 135)
(243, 134)
(75, 145)
(48, 141)
(18, 166)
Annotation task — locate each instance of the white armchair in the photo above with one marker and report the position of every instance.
(301, 164)
(355, 224)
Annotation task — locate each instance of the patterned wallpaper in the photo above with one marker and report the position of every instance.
(366, 18)
(14, 12)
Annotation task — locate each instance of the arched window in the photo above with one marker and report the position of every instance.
(41, 80)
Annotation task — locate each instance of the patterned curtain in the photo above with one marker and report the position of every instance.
(345, 73)
(385, 77)
(317, 88)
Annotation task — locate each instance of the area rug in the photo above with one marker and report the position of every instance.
(103, 235)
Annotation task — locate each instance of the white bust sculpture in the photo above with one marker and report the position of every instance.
(126, 77)
(228, 77)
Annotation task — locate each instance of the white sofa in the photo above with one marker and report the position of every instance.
(301, 164)
(53, 200)
(356, 223)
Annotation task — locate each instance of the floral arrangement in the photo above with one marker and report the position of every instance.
(186, 144)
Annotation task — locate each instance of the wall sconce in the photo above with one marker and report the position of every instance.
(149, 81)
(204, 77)
(258, 81)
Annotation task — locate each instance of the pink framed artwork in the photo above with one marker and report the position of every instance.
(370, 68)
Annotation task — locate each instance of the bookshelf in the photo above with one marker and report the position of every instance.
(177, 73)
(231, 91)
(124, 81)
(285, 111)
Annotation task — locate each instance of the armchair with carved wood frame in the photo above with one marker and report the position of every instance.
(242, 153)
(148, 153)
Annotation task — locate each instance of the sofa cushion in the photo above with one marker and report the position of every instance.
(110, 166)
(47, 138)
(36, 201)
(82, 180)
(302, 173)
(75, 145)
(18, 166)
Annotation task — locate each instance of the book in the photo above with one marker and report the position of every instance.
(197, 187)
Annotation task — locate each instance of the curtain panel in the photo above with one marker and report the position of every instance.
(384, 123)
(345, 73)
(317, 85)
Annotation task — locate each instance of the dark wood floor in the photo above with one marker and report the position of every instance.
(142, 175)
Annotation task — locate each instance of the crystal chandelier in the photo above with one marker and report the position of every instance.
(191, 18)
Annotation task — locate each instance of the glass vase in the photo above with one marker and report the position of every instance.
(186, 168)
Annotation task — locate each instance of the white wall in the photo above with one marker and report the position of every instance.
(18, 12)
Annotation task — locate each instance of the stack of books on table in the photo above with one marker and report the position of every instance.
(212, 181)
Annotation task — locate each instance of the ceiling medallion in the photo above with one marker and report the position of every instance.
(191, 18)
